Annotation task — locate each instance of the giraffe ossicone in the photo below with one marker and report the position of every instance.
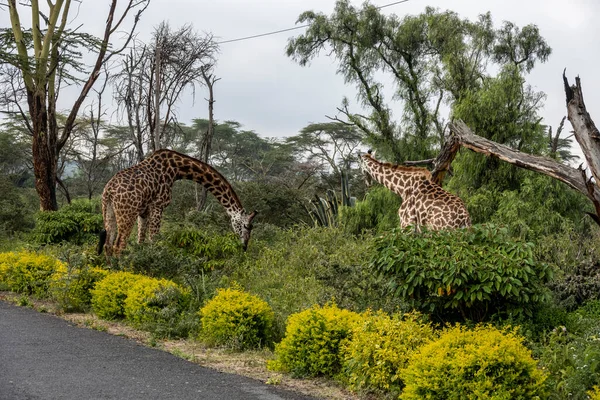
(424, 203)
(144, 190)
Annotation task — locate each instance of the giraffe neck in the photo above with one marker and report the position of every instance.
(180, 166)
(398, 178)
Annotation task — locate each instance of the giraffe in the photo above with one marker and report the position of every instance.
(144, 190)
(424, 203)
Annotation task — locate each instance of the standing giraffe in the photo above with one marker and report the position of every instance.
(424, 203)
(144, 190)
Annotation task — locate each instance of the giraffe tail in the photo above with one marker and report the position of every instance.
(102, 237)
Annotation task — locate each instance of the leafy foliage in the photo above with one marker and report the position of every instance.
(27, 272)
(109, 294)
(378, 212)
(15, 213)
(79, 222)
(481, 363)
(237, 320)
(210, 249)
(380, 348)
(313, 341)
(157, 305)
(469, 273)
(310, 266)
(572, 360)
(71, 285)
(580, 284)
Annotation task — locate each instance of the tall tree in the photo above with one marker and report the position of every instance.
(329, 143)
(46, 55)
(153, 78)
(433, 58)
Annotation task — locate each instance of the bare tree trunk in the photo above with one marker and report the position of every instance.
(205, 149)
(157, 88)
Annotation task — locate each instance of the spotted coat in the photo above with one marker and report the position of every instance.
(424, 203)
(144, 190)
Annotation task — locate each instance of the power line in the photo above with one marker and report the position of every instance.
(296, 27)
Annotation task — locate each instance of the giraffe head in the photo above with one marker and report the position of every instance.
(363, 159)
(242, 226)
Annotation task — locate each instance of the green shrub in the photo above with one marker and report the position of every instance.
(210, 249)
(481, 363)
(578, 285)
(313, 341)
(27, 272)
(377, 212)
(380, 349)
(572, 360)
(472, 273)
(158, 306)
(79, 222)
(237, 320)
(156, 259)
(109, 294)
(15, 213)
(147, 296)
(71, 286)
(309, 266)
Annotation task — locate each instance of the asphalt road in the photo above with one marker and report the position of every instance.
(45, 357)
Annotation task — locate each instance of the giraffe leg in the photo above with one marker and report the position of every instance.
(154, 221)
(125, 228)
(110, 225)
(142, 227)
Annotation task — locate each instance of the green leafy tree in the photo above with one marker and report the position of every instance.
(433, 57)
(47, 56)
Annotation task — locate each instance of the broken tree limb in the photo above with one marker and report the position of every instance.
(461, 135)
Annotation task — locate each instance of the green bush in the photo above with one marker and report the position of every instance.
(80, 222)
(309, 266)
(577, 286)
(377, 212)
(380, 349)
(466, 273)
(210, 249)
(157, 305)
(27, 272)
(15, 213)
(109, 294)
(571, 356)
(313, 341)
(71, 286)
(237, 320)
(481, 363)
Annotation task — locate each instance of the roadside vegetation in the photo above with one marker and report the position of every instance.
(330, 288)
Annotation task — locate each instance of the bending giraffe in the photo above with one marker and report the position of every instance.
(144, 190)
(424, 203)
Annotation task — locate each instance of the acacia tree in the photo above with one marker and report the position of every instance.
(153, 78)
(47, 55)
(330, 143)
(433, 58)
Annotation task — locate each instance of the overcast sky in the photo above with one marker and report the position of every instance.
(267, 92)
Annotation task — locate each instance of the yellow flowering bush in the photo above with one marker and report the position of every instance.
(236, 319)
(153, 300)
(71, 286)
(27, 272)
(109, 294)
(480, 363)
(313, 341)
(380, 348)
(594, 393)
